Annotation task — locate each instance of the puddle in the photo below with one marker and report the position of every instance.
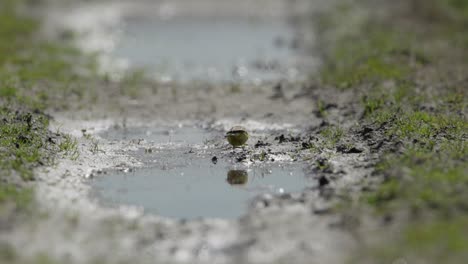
(182, 180)
(201, 189)
(209, 48)
(175, 135)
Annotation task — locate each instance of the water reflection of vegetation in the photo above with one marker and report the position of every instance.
(237, 177)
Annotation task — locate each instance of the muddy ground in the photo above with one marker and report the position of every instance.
(291, 122)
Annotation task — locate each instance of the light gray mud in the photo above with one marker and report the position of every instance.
(285, 125)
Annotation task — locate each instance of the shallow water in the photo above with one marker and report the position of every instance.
(176, 181)
(199, 189)
(181, 180)
(211, 48)
(176, 135)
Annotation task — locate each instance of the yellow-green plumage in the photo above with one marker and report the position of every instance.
(237, 136)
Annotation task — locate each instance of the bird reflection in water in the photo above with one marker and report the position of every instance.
(237, 177)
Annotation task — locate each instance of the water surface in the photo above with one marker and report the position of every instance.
(187, 135)
(211, 48)
(198, 189)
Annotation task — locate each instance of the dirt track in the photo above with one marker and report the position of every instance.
(284, 228)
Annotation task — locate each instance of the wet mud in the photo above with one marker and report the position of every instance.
(156, 180)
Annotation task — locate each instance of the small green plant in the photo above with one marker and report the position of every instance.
(312, 147)
(68, 144)
(371, 104)
(95, 149)
(332, 135)
(321, 108)
(323, 165)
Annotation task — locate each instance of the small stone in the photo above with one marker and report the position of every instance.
(214, 159)
(261, 144)
(280, 139)
(348, 149)
(241, 158)
(306, 145)
(323, 181)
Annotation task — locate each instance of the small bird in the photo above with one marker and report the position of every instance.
(237, 136)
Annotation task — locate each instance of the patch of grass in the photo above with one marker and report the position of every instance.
(20, 198)
(321, 108)
(69, 146)
(401, 66)
(35, 74)
(382, 55)
(426, 126)
(423, 180)
(441, 241)
(332, 135)
(451, 234)
(7, 92)
(23, 142)
(372, 104)
(429, 178)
